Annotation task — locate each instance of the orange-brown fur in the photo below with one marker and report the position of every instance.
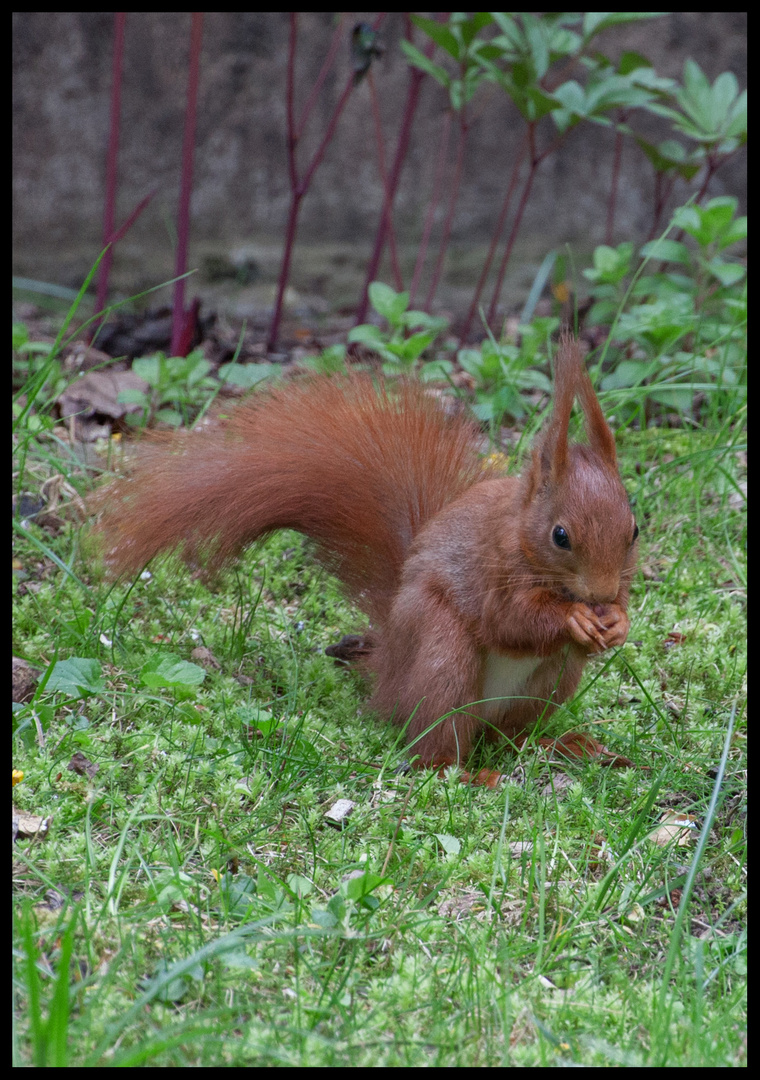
(459, 572)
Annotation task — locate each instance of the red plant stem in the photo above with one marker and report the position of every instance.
(614, 181)
(663, 188)
(533, 165)
(179, 329)
(387, 208)
(711, 168)
(410, 107)
(659, 187)
(299, 187)
(317, 159)
(443, 149)
(112, 241)
(449, 220)
(296, 193)
(495, 238)
(298, 190)
(528, 140)
(123, 229)
(290, 236)
(109, 202)
(189, 327)
(329, 61)
(293, 135)
(712, 164)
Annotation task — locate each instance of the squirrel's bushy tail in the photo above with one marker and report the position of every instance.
(357, 467)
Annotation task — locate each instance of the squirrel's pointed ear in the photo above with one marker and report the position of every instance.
(571, 380)
(550, 455)
(567, 371)
(599, 433)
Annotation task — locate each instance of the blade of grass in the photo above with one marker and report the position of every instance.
(665, 999)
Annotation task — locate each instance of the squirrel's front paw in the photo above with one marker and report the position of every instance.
(598, 628)
(615, 622)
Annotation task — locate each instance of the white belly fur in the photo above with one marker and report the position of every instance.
(506, 677)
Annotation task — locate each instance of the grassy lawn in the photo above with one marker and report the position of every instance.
(191, 904)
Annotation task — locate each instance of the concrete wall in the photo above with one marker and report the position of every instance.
(62, 78)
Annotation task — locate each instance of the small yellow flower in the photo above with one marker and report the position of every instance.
(18, 776)
(495, 462)
(561, 292)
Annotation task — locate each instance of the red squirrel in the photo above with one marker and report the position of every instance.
(487, 594)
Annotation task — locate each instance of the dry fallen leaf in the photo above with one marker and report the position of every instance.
(463, 904)
(23, 680)
(675, 827)
(27, 826)
(96, 394)
(339, 813)
(82, 765)
(204, 656)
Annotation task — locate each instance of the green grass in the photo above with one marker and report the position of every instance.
(190, 905)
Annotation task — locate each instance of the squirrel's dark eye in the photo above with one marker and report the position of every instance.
(635, 532)
(560, 537)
